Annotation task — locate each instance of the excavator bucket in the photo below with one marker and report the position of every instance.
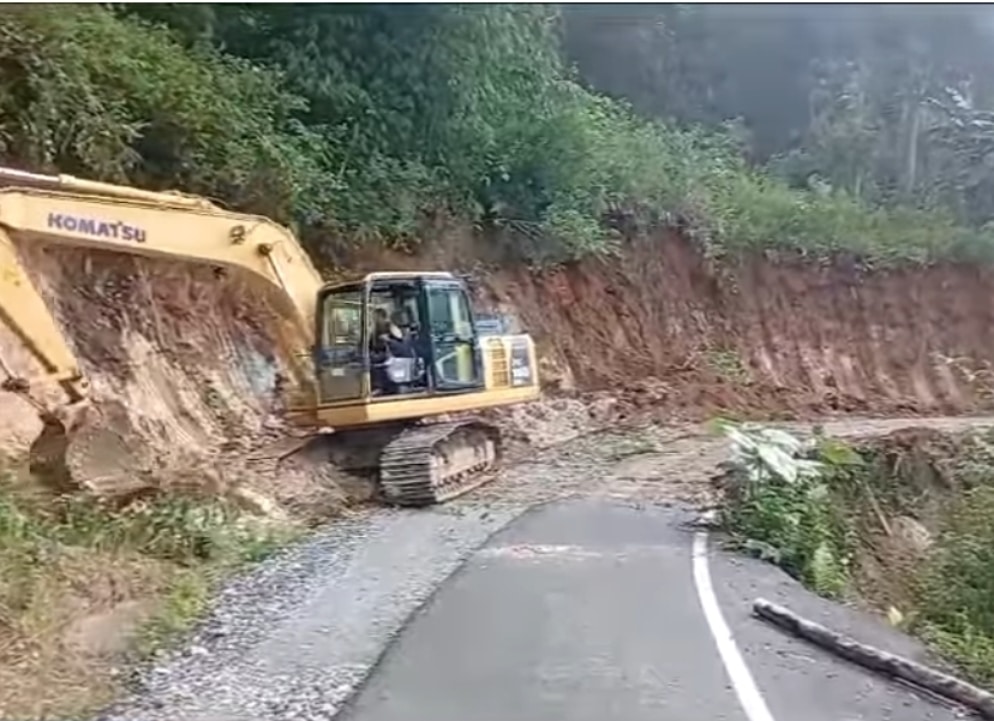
(83, 448)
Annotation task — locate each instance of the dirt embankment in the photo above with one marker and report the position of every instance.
(189, 359)
(182, 365)
(787, 339)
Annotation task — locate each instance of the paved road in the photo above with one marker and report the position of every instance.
(589, 610)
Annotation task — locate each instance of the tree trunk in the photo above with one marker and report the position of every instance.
(911, 172)
(876, 660)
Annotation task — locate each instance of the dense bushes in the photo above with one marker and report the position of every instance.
(84, 91)
(363, 121)
(832, 516)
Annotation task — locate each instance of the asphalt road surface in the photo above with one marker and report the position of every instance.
(582, 607)
(593, 610)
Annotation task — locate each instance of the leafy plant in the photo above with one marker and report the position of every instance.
(781, 505)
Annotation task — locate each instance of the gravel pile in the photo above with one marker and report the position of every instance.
(292, 638)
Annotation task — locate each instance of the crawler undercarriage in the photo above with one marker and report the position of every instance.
(419, 465)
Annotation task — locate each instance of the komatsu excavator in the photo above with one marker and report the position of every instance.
(392, 352)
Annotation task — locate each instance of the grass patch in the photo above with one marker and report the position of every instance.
(727, 364)
(84, 589)
(840, 520)
(182, 605)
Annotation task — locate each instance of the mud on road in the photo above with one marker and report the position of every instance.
(293, 638)
(655, 463)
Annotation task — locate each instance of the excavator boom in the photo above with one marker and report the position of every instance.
(68, 211)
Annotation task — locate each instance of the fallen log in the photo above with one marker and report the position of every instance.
(874, 659)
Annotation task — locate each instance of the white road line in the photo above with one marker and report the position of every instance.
(745, 687)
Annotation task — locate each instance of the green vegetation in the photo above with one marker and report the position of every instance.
(178, 530)
(368, 122)
(85, 91)
(72, 561)
(783, 506)
(727, 363)
(956, 613)
(830, 516)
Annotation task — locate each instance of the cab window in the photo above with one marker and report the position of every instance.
(342, 331)
(449, 312)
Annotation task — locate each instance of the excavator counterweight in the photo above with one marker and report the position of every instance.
(389, 352)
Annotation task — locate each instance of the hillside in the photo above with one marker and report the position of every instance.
(187, 362)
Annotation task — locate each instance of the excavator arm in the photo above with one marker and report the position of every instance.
(71, 212)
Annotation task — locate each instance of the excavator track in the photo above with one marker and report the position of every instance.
(433, 464)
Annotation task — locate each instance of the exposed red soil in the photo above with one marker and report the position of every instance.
(663, 327)
(181, 363)
(188, 358)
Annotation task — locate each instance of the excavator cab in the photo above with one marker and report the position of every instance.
(394, 336)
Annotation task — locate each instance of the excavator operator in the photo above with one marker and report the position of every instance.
(388, 337)
(388, 341)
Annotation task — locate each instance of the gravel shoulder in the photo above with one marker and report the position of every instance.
(293, 638)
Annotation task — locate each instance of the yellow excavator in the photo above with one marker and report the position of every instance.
(395, 356)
